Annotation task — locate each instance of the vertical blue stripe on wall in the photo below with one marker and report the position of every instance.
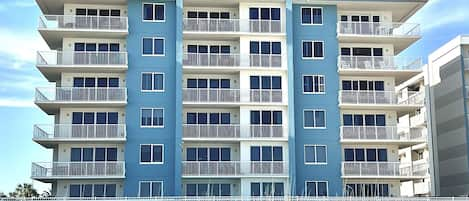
(328, 101)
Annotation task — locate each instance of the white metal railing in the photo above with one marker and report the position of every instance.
(79, 131)
(418, 119)
(234, 168)
(208, 95)
(77, 22)
(380, 133)
(265, 60)
(70, 58)
(380, 97)
(466, 63)
(379, 29)
(378, 169)
(211, 59)
(77, 94)
(78, 169)
(211, 131)
(379, 63)
(266, 131)
(247, 198)
(232, 25)
(265, 95)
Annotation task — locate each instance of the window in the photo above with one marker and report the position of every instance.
(266, 153)
(267, 189)
(362, 85)
(316, 188)
(193, 83)
(266, 117)
(367, 190)
(266, 82)
(102, 82)
(265, 47)
(208, 189)
(93, 154)
(315, 154)
(152, 82)
(213, 118)
(314, 119)
(151, 153)
(314, 84)
(92, 190)
(152, 117)
(378, 120)
(371, 155)
(153, 46)
(154, 12)
(311, 16)
(151, 188)
(205, 15)
(264, 13)
(92, 118)
(208, 154)
(313, 49)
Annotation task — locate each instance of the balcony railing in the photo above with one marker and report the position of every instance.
(383, 133)
(418, 119)
(77, 22)
(379, 63)
(77, 169)
(76, 94)
(388, 29)
(234, 168)
(267, 131)
(232, 25)
(211, 131)
(265, 95)
(80, 132)
(377, 169)
(466, 63)
(73, 58)
(206, 95)
(380, 97)
(232, 60)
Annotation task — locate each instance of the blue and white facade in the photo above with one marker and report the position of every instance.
(226, 98)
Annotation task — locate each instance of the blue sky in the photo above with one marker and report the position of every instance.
(440, 21)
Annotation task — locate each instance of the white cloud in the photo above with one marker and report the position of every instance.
(17, 3)
(438, 13)
(16, 102)
(20, 47)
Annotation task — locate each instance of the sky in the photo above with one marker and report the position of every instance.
(19, 40)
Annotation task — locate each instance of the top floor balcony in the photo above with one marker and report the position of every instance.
(401, 35)
(231, 27)
(54, 28)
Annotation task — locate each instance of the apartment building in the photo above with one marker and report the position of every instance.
(228, 98)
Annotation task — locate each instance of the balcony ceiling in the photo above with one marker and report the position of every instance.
(56, 7)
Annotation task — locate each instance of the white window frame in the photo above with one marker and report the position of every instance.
(312, 23)
(152, 82)
(152, 110)
(93, 185)
(314, 111)
(153, 47)
(319, 76)
(151, 187)
(312, 50)
(315, 152)
(151, 154)
(153, 7)
(311, 181)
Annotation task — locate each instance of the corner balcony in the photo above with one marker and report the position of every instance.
(50, 135)
(418, 120)
(53, 28)
(402, 68)
(51, 99)
(232, 132)
(234, 169)
(379, 170)
(381, 135)
(51, 171)
(230, 62)
(401, 35)
(383, 100)
(53, 63)
(229, 28)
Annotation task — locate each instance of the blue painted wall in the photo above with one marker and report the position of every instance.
(329, 101)
(137, 99)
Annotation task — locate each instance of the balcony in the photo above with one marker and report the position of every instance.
(51, 99)
(53, 63)
(50, 171)
(234, 169)
(50, 135)
(195, 27)
(379, 170)
(418, 120)
(352, 99)
(381, 134)
(466, 63)
(266, 96)
(230, 61)
(54, 28)
(217, 132)
(211, 96)
(401, 35)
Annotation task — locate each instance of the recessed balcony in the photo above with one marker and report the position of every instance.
(54, 28)
(233, 97)
(401, 35)
(51, 171)
(53, 63)
(225, 169)
(49, 135)
(382, 135)
(217, 132)
(379, 170)
(389, 100)
(52, 98)
(230, 62)
(222, 28)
